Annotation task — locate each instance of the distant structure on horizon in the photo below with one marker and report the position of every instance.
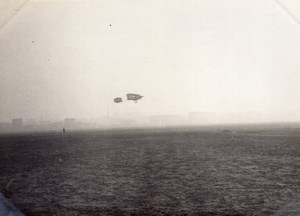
(17, 123)
(69, 123)
(5, 126)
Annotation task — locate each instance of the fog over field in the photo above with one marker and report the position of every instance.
(64, 59)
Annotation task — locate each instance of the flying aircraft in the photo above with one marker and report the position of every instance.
(118, 100)
(134, 97)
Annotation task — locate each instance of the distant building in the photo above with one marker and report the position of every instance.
(17, 123)
(30, 125)
(31, 122)
(69, 123)
(5, 126)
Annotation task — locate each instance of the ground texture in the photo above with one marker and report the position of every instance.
(152, 172)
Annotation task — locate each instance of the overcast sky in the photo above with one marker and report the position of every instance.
(71, 58)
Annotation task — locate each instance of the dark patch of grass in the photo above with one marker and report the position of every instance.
(150, 173)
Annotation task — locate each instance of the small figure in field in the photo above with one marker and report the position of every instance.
(64, 130)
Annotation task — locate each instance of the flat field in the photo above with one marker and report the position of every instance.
(179, 171)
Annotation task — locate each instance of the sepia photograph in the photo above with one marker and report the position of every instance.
(149, 107)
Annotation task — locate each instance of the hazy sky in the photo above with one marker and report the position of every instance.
(71, 58)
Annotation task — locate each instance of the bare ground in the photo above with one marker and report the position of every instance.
(171, 172)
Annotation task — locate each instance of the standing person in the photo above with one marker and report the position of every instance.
(64, 130)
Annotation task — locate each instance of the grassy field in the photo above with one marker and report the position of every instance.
(184, 171)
